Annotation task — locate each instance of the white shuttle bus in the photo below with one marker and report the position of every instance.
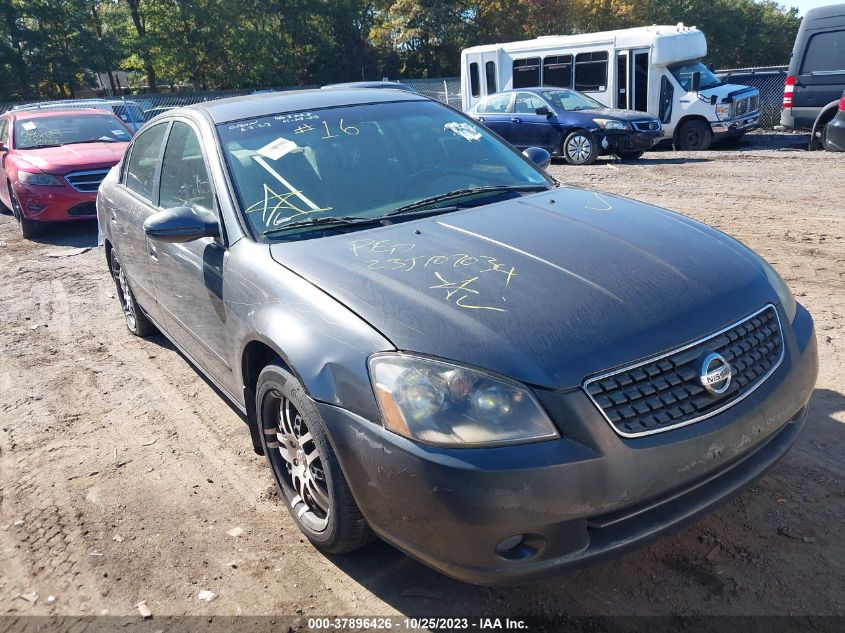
(654, 69)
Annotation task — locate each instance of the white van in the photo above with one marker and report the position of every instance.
(655, 69)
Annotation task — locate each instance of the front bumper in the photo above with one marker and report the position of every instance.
(584, 497)
(735, 127)
(629, 141)
(56, 204)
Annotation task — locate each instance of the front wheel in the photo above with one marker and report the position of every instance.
(579, 148)
(694, 136)
(305, 468)
(630, 154)
(28, 228)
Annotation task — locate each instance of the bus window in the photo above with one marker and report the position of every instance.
(557, 71)
(591, 71)
(526, 72)
(475, 86)
(490, 71)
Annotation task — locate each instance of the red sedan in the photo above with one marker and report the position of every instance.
(52, 162)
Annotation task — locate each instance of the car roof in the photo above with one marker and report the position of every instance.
(55, 112)
(368, 84)
(258, 105)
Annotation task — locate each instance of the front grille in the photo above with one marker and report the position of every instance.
(666, 392)
(747, 105)
(83, 208)
(86, 181)
(646, 126)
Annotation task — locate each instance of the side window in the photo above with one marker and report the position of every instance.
(825, 52)
(143, 161)
(497, 104)
(667, 95)
(490, 73)
(526, 103)
(4, 132)
(184, 177)
(526, 72)
(591, 71)
(557, 71)
(474, 83)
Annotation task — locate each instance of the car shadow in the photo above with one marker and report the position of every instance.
(80, 234)
(418, 591)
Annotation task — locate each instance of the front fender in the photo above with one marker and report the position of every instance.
(322, 342)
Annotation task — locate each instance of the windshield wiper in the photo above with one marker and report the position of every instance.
(324, 222)
(43, 146)
(94, 140)
(461, 193)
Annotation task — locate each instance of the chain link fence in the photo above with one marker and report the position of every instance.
(769, 80)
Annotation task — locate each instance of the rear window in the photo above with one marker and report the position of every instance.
(53, 131)
(825, 53)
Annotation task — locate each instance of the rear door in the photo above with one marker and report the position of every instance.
(494, 113)
(188, 277)
(134, 201)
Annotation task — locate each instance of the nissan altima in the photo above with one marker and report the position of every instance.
(435, 343)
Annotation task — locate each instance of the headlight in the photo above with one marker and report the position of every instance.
(723, 110)
(436, 402)
(611, 124)
(782, 290)
(45, 180)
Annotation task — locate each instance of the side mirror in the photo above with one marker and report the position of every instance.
(3, 148)
(543, 111)
(179, 224)
(696, 81)
(538, 156)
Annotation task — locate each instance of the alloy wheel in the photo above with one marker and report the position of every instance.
(126, 301)
(579, 148)
(297, 462)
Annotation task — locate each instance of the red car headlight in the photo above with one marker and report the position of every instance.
(44, 180)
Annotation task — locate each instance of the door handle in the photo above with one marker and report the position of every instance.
(152, 250)
(481, 118)
(516, 120)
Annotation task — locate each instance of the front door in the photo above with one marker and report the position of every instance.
(639, 80)
(188, 277)
(527, 128)
(622, 80)
(5, 198)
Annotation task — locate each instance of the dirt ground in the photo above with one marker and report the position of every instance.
(122, 472)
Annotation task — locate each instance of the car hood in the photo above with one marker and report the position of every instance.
(546, 289)
(725, 90)
(616, 113)
(67, 158)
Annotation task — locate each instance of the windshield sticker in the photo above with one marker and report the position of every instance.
(119, 132)
(466, 279)
(464, 130)
(28, 126)
(278, 148)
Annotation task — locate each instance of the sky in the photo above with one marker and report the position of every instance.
(804, 5)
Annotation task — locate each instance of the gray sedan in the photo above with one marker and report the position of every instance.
(433, 342)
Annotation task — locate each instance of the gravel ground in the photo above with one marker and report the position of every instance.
(122, 473)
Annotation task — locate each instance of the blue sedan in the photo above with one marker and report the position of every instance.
(567, 123)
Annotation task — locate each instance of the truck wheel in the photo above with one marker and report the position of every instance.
(629, 155)
(579, 148)
(136, 321)
(694, 136)
(304, 465)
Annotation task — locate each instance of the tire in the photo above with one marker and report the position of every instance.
(630, 155)
(28, 228)
(136, 321)
(579, 148)
(694, 136)
(304, 465)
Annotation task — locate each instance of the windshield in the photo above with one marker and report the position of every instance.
(683, 74)
(570, 100)
(66, 129)
(362, 161)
